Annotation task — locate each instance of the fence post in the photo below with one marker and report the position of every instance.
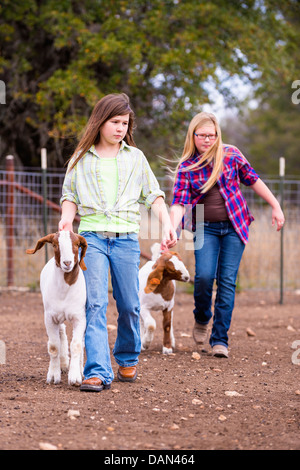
(10, 220)
(45, 214)
(281, 175)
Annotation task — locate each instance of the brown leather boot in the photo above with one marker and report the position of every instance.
(127, 374)
(94, 384)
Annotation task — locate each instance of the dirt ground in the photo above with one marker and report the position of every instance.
(184, 401)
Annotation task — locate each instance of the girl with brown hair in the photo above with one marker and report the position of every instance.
(107, 178)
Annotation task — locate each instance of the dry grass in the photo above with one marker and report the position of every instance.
(260, 267)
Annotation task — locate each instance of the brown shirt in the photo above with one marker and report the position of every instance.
(214, 206)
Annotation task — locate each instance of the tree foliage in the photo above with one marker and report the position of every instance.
(59, 58)
(271, 130)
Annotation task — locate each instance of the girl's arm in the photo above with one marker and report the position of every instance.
(264, 192)
(176, 214)
(169, 237)
(69, 210)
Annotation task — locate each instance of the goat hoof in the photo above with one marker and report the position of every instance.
(167, 350)
(55, 379)
(75, 380)
(75, 384)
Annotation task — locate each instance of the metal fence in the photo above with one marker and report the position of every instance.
(29, 208)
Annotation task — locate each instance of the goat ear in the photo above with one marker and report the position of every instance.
(41, 242)
(151, 285)
(84, 245)
(155, 276)
(82, 264)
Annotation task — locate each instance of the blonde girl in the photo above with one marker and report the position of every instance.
(209, 174)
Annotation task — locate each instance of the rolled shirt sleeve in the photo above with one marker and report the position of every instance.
(150, 187)
(247, 174)
(69, 192)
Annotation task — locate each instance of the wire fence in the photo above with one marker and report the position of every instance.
(29, 208)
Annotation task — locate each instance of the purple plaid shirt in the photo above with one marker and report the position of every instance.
(236, 169)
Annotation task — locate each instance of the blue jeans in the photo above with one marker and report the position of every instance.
(122, 256)
(218, 258)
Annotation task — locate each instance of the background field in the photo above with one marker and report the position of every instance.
(261, 263)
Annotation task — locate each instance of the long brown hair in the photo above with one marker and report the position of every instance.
(115, 104)
(213, 155)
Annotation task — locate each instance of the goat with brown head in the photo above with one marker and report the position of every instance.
(169, 266)
(157, 292)
(63, 291)
(66, 249)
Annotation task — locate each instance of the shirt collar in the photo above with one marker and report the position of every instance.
(197, 157)
(92, 150)
(123, 146)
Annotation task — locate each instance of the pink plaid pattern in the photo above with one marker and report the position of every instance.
(236, 170)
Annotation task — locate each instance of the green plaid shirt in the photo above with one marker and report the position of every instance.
(137, 185)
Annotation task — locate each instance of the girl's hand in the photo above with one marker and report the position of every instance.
(169, 238)
(65, 224)
(277, 216)
(263, 191)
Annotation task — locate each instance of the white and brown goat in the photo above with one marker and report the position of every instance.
(64, 296)
(157, 292)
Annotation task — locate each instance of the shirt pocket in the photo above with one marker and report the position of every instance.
(231, 178)
(198, 182)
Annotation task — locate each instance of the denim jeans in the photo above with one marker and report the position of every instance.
(122, 256)
(218, 258)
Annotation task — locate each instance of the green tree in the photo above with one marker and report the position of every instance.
(59, 58)
(271, 130)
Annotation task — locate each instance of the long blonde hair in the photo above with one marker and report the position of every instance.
(213, 155)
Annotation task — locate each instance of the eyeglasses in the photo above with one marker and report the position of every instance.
(206, 136)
